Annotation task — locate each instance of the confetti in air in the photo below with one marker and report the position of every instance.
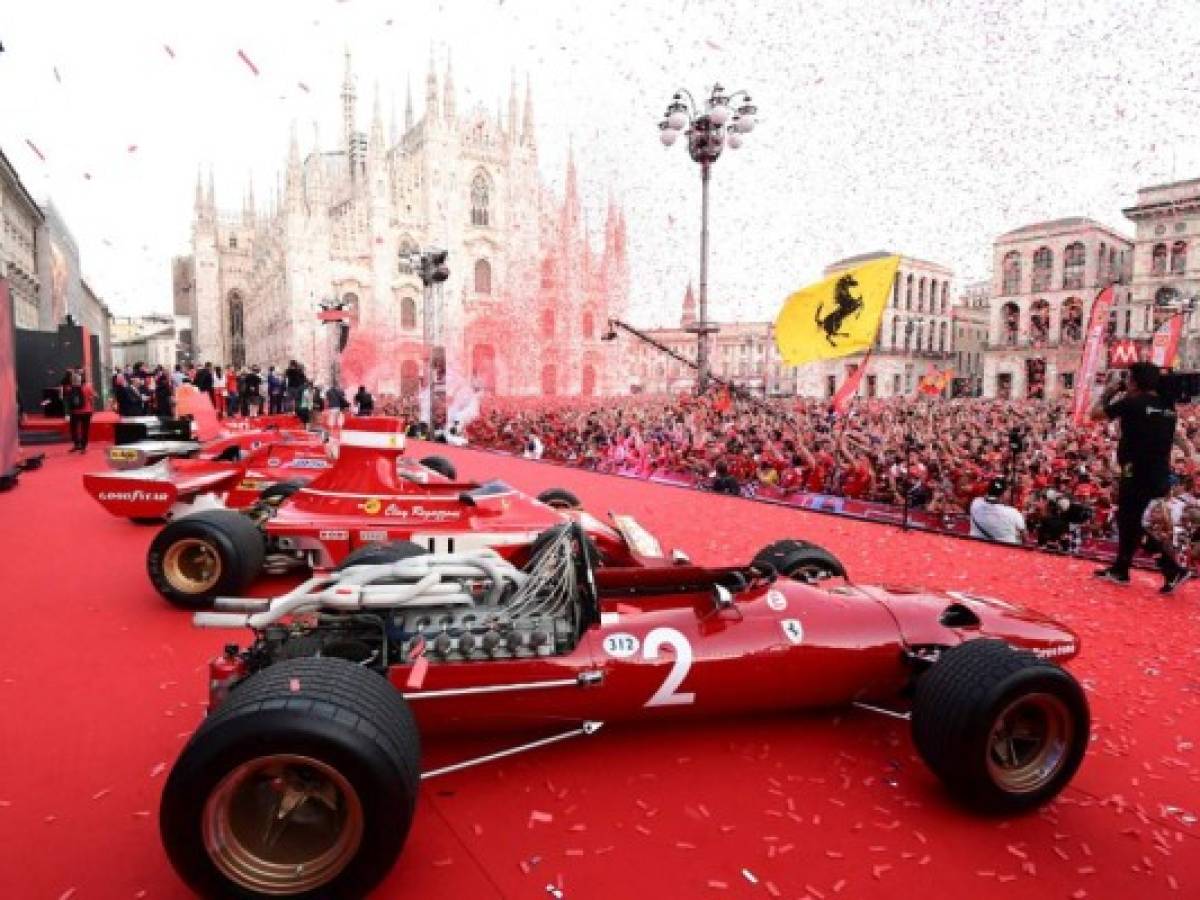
(34, 148)
(170, 52)
(303, 87)
(246, 59)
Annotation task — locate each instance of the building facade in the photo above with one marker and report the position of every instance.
(94, 315)
(1045, 278)
(970, 323)
(529, 289)
(149, 340)
(1166, 264)
(61, 293)
(21, 222)
(183, 296)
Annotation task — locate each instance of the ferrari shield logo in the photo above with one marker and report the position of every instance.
(792, 630)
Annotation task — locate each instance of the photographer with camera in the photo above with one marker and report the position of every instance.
(1144, 455)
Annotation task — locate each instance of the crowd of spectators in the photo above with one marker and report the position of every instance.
(934, 455)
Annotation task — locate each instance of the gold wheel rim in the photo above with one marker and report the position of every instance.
(192, 566)
(1029, 743)
(282, 824)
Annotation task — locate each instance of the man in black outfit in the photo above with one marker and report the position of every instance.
(1144, 455)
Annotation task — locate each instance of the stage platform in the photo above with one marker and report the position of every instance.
(101, 682)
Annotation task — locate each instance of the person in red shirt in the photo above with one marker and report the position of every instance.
(80, 399)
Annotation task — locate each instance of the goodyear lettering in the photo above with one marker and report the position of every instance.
(1051, 652)
(134, 496)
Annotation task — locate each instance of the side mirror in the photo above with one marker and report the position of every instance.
(722, 598)
(679, 558)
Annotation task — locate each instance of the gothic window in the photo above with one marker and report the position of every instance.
(1178, 258)
(1043, 265)
(1074, 258)
(1158, 260)
(408, 313)
(483, 276)
(1012, 273)
(480, 200)
(237, 330)
(233, 242)
(404, 256)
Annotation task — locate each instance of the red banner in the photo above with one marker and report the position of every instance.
(850, 386)
(1165, 346)
(1090, 363)
(9, 449)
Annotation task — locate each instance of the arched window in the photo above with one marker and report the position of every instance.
(945, 296)
(404, 256)
(908, 293)
(933, 295)
(1012, 273)
(895, 324)
(1043, 267)
(1010, 323)
(1039, 321)
(942, 336)
(1074, 258)
(921, 295)
(483, 276)
(480, 200)
(1178, 258)
(408, 313)
(547, 323)
(589, 325)
(1158, 260)
(1071, 321)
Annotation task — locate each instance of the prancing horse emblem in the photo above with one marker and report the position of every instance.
(845, 306)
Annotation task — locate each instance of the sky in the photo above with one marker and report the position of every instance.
(926, 128)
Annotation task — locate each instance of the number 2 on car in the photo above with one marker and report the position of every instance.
(621, 645)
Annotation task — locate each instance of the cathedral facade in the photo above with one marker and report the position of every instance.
(530, 288)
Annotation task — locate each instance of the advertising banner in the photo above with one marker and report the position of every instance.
(9, 449)
(1090, 364)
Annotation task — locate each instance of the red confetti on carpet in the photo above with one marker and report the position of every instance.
(829, 804)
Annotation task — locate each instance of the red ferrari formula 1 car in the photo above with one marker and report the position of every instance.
(235, 471)
(373, 505)
(303, 779)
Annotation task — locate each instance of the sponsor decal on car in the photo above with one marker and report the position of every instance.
(334, 535)
(122, 453)
(274, 462)
(792, 630)
(397, 511)
(137, 496)
(1052, 652)
(372, 535)
(621, 645)
(307, 462)
(776, 600)
(252, 484)
(371, 507)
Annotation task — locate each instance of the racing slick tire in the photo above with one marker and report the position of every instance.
(441, 465)
(559, 498)
(800, 560)
(1002, 728)
(279, 491)
(326, 751)
(380, 554)
(209, 554)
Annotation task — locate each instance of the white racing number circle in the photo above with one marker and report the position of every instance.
(621, 645)
(776, 600)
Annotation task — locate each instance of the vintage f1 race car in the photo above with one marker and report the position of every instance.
(304, 778)
(373, 505)
(238, 471)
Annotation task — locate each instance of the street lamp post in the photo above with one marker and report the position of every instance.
(334, 312)
(431, 266)
(709, 129)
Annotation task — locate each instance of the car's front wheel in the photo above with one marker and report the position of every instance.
(303, 784)
(801, 560)
(209, 554)
(1002, 728)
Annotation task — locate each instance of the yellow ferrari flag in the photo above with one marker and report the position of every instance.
(835, 317)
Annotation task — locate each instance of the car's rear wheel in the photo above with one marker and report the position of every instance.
(559, 498)
(205, 555)
(302, 784)
(381, 554)
(1004, 730)
(441, 465)
(801, 560)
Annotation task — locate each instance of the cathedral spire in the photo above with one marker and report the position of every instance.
(199, 191)
(689, 308)
(212, 194)
(571, 205)
(393, 124)
(349, 99)
(376, 139)
(293, 187)
(527, 126)
(248, 211)
(449, 90)
(408, 109)
(431, 93)
(512, 106)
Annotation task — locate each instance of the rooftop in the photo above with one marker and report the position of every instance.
(1058, 226)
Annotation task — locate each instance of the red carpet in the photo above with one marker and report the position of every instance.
(100, 682)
